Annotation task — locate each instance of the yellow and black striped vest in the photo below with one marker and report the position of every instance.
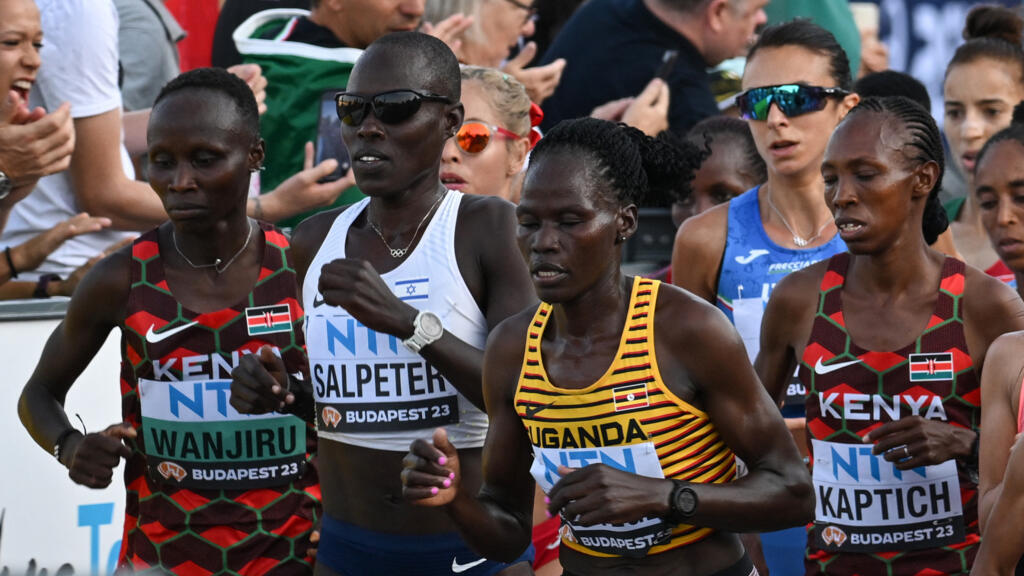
(628, 419)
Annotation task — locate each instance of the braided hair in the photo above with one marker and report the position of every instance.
(1015, 131)
(734, 132)
(924, 137)
(640, 169)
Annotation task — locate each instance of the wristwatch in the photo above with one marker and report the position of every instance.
(6, 185)
(427, 329)
(682, 503)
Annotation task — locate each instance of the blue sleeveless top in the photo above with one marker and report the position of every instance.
(753, 264)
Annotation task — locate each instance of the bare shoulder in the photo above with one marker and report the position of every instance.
(309, 234)
(797, 290)
(480, 214)
(990, 307)
(508, 338)
(102, 295)
(689, 317)
(697, 251)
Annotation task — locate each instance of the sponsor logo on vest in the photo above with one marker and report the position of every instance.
(171, 470)
(268, 319)
(460, 568)
(820, 368)
(532, 409)
(154, 337)
(833, 535)
(926, 367)
(630, 397)
(331, 416)
(751, 256)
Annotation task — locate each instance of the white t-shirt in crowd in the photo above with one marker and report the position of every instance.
(80, 66)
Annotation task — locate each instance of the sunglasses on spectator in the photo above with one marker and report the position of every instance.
(389, 107)
(792, 100)
(473, 137)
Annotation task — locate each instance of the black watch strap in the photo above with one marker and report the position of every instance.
(42, 283)
(682, 503)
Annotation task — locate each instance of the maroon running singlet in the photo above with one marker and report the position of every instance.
(211, 491)
(870, 517)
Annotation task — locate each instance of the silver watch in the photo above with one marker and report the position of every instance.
(6, 185)
(427, 329)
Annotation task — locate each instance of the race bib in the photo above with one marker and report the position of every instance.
(195, 439)
(866, 504)
(365, 381)
(631, 540)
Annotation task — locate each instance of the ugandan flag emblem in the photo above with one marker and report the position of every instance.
(630, 397)
(925, 367)
(268, 319)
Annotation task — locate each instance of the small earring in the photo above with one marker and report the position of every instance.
(622, 238)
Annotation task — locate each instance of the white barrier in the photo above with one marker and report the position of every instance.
(45, 516)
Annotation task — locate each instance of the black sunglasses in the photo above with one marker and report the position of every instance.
(792, 100)
(389, 107)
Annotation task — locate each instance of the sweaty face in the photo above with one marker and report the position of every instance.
(979, 100)
(999, 186)
(363, 21)
(567, 227)
(869, 184)
(491, 171)
(793, 146)
(200, 157)
(21, 37)
(721, 177)
(390, 158)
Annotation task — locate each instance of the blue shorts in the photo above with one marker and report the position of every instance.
(354, 551)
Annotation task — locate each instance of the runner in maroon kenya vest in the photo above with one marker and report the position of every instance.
(923, 517)
(890, 340)
(220, 467)
(209, 490)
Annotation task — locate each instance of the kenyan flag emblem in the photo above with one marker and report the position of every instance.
(268, 319)
(925, 367)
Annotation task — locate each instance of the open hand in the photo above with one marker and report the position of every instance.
(539, 81)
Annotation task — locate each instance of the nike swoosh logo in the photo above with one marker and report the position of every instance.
(820, 368)
(751, 256)
(318, 301)
(154, 337)
(554, 544)
(460, 568)
(532, 410)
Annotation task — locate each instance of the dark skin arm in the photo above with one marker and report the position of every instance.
(494, 272)
(776, 492)
(496, 523)
(95, 309)
(786, 327)
(697, 252)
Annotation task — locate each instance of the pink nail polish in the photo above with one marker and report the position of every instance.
(451, 475)
(547, 500)
(447, 483)
(434, 490)
(442, 460)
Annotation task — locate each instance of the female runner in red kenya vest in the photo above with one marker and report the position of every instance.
(890, 339)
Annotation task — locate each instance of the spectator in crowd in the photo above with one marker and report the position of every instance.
(232, 14)
(551, 17)
(494, 27)
(195, 283)
(984, 80)
(307, 58)
(904, 329)
(613, 48)
(893, 83)
(487, 153)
